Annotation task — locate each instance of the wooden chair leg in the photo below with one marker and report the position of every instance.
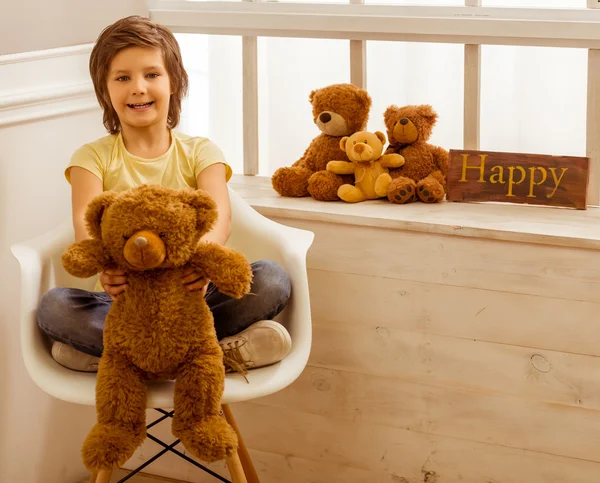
(235, 469)
(102, 477)
(244, 456)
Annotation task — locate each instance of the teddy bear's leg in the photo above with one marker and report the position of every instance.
(291, 181)
(197, 421)
(121, 414)
(382, 184)
(324, 185)
(430, 190)
(351, 194)
(402, 190)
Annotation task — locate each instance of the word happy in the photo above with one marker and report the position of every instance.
(511, 176)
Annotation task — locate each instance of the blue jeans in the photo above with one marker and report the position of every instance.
(76, 317)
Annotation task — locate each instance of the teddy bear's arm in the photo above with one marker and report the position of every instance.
(228, 269)
(441, 158)
(392, 160)
(85, 258)
(341, 167)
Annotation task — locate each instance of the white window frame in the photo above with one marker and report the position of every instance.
(471, 25)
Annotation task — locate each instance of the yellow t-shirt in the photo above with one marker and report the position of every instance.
(119, 170)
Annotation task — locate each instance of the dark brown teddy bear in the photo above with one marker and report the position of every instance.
(156, 329)
(423, 175)
(338, 110)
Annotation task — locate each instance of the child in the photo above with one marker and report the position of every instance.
(139, 79)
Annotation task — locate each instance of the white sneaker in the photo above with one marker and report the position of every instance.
(263, 343)
(73, 359)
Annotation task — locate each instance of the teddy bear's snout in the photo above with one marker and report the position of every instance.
(359, 148)
(145, 250)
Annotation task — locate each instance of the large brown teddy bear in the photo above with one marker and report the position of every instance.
(423, 175)
(157, 329)
(338, 110)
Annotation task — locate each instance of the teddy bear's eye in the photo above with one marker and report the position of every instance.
(126, 237)
(366, 142)
(162, 235)
(353, 142)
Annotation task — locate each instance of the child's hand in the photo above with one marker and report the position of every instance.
(114, 282)
(194, 281)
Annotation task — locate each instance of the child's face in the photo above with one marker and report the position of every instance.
(139, 87)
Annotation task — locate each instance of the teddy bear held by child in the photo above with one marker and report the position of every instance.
(157, 329)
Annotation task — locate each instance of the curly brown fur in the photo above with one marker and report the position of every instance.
(408, 129)
(157, 329)
(338, 110)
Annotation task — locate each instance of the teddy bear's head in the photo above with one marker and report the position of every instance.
(150, 226)
(340, 109)
(363, 147)
(409, 124)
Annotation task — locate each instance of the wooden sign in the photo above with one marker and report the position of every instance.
(518, 178)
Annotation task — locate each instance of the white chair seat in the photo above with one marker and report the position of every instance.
(253, 234)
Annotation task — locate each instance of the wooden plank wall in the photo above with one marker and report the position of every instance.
(438, 359)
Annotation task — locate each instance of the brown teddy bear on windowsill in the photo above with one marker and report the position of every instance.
(423, 175)
(338, 110)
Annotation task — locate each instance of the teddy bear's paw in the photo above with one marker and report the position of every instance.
(211, 439)
(430, 191)
(109, 446)
(324, 185)
(402, 190)
(291, 182)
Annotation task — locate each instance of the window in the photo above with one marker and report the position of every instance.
(533, 99)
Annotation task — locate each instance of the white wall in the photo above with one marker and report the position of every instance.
(27, 25)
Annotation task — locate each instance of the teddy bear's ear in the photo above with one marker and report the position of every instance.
(311, 96)
(206, 208)
(381, 136)
(364, 99)
(95, 210)
(343, 143)
(391, 115)
(427, 111)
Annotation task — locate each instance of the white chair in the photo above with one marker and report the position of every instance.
(254, 235)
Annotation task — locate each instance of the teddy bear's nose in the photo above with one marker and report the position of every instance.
(141, 241)
(325, 117)
(404, 121)
(359, 148)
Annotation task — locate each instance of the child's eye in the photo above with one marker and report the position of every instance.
(122, 78)
(152, 76)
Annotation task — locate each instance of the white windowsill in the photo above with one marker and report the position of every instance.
(498, 221)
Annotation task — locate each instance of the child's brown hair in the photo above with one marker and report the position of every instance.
(136, 31)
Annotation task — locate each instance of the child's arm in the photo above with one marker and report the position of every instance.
(229, 270)
(84, 187)
(340, 167)
(213, 180)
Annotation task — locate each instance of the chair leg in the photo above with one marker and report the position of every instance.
(102, 477)
(244, 456)
(235, 469)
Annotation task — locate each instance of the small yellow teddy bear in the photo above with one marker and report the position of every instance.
(370, 168)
